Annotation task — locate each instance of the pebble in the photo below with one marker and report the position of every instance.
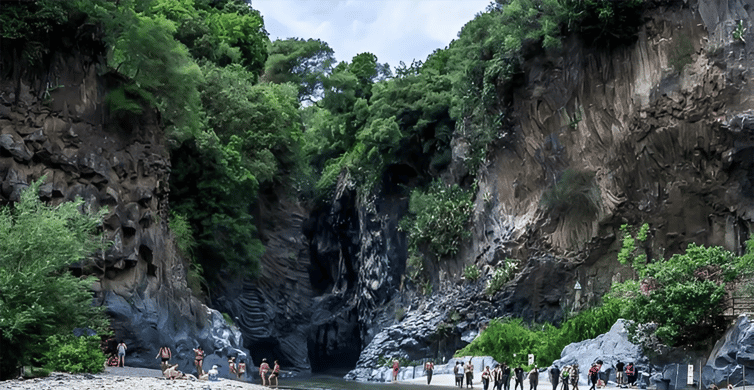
(63, 381)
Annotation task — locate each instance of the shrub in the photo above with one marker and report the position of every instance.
(501, 276)
(505, 337)
(574, 194)
(438, 218)
(39, 297)
(682, 295)
(471, 272)
(74, 354)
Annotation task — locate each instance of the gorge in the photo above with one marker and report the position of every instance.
(660, 126)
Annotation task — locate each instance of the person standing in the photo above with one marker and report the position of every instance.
(469, 370)
(497, 377)
(554, 376)
(198, 361)
(506, 376)
(164, 354)
(458, 371)
(486, 377)
(232, 366)
(619, 377)
(533, 378)
(429, 367)
(396, 369)
(264, 368)
(241, 370)
(518, 374)
(574, 377)
(630, 374)
(275, 373)
(566, 376)
(122, 354)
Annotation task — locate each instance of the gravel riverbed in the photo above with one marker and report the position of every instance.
(121, 378)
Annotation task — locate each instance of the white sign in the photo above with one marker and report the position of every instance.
(531, 359)
(690, 375)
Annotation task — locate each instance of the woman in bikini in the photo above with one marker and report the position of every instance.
(275, 373)
(198, 360)
(264, 368)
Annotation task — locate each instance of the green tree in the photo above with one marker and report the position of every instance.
(39, 298)
(304, 63)
(682, 295)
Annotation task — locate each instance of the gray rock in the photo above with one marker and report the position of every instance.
(609, 347)
(15, 146)
(732, 355)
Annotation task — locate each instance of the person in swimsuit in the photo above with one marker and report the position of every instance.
(264, 368)
(165, 354)
(199, 360)
(275, 373)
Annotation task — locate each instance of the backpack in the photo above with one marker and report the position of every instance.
(566, 373)
(165, 353)
(594, 370)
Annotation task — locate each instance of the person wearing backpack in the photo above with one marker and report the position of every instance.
(565, 375)
(165, 354)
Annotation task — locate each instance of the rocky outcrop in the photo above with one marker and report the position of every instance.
(54, 124)
(610, 347)
(733, 356)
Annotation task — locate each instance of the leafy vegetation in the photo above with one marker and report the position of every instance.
(39, 298)
(683, 295)
(574, 194)
(503, 274)
(471, 272)
(74, 354)
(505, 338)
(439, 218)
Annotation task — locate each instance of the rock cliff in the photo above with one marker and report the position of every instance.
(662, 124)
(54, 123)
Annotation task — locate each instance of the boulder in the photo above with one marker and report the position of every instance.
(731, 358)
(609, 347)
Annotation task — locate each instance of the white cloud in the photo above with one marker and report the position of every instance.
(394, 30)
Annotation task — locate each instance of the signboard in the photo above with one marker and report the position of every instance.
(531, 359)
(690, 375)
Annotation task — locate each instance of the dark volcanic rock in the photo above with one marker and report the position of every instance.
(119, 163)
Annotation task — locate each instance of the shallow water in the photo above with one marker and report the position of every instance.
(325, 382)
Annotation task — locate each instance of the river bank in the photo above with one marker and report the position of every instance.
(121, 378)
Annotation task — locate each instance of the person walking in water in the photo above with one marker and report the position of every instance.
(264, 368)
(429, 367)
(122, 354)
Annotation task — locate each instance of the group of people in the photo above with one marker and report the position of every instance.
(625, 376)
(264, 369)
(462, 371)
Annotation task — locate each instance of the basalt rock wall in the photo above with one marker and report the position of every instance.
(663, 124)
(54, 124)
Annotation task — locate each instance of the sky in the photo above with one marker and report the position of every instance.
(393, 30)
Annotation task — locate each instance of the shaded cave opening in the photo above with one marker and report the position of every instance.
(334, 347)
(268, 349)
